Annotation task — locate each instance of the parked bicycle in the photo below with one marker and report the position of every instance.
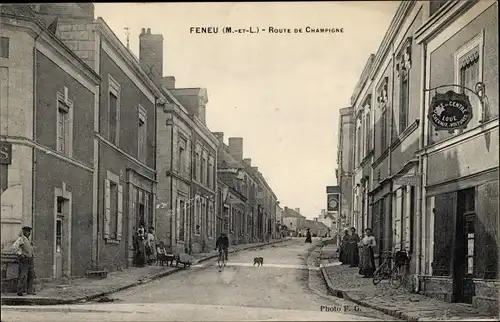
(397, 274)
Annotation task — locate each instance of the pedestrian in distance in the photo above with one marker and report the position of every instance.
(222, 243)
(352, 248)
(151, 246)
(368, 243)
(308, 236)
(140, 249)
(343, 248)
(25, 254)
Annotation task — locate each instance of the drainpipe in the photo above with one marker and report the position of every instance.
(391, 182)
(33, 153)
(421, 145)
(170, 117)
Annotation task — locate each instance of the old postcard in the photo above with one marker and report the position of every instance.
(249, 161)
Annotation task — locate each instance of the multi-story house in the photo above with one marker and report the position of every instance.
(48, 103)
(362, 151)
(434, 191)
(187, 155)
(125, 137)
(233, 171)
(344, 169)
(459, 222)
(203, 169)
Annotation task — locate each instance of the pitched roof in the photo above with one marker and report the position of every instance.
(21, 11)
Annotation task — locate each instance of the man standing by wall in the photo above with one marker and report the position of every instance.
(24, 250)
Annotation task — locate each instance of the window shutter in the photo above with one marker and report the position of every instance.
(107, 208)
(119, 219)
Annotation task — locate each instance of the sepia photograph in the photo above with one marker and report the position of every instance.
(250, 161)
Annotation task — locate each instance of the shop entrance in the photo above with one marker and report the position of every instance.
(463, 266)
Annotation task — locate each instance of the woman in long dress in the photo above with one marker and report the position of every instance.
(308, 236)
(368, 244)
(343, 248)
(352, 248)
(140, 251)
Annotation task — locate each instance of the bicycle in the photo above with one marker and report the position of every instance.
(396, 275)
(221, 261)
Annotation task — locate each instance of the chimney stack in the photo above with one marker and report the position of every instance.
(248, 161)
(168, 82)
(297, 210)
(151, 55)
(236, 148)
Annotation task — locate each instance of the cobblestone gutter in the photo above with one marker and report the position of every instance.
(345, 282)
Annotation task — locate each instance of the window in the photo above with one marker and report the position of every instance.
(211, 170)
(404, 102)
(358, 143)
(62, 120)
(204, 171)
(64, 123)
(211, 218)
(181, 158)
(142, 135)
(468, 61)
(198, 167)
(114, 111)
(197, 216)
(4, 47)
(435, 5)
(113, 208)
(383, 130)
(181, 218)
(368, 133)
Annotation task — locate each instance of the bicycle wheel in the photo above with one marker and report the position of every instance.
(396, 277)
(220, 260)
(378, 275)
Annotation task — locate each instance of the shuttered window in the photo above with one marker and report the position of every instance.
(444, 228)
(113, 219)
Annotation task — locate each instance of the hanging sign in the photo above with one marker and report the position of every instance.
(5, 153)
(450, 111)
(333, 200)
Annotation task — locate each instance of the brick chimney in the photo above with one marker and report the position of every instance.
(297, 210)
(168, 82)
(248, 161)
(236, 148)
(151, 54)
(219, 136)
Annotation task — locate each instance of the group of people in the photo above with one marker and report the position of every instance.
(146, 250)
(358, 252)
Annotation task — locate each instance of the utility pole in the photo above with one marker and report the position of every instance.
(127, 33)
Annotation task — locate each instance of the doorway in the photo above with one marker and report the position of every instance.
(463, 266)
(61, 233)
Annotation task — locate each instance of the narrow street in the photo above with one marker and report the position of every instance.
(282, 289)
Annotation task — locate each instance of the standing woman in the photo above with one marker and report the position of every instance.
(352, 248)
(343, 248)
(367, 257)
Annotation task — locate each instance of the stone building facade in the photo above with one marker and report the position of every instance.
(48, 102)
(344, 172)
(124, 140)
(431, 192)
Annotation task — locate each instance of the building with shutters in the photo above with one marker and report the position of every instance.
(48, 101)
(125, 136)
(431, 192)
(460, 211)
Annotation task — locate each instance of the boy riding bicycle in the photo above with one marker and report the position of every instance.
(222, 244)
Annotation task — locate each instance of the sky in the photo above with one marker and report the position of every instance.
(280, 92)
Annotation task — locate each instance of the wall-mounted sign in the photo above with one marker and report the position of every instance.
(5, 153)
(410, 180)
(333, 201)
(450, 111)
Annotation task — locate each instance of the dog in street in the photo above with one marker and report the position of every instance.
(258, 260)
